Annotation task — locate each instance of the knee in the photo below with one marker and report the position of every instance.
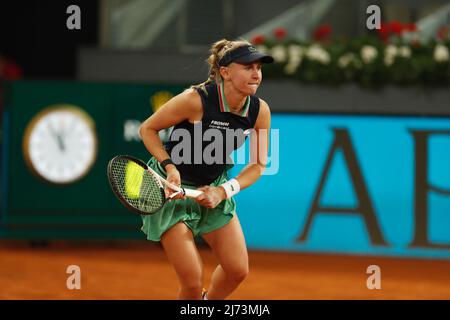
(192, 284)
(238, 273)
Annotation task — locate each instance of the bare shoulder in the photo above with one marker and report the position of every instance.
(263, 107)
(191, 99)
(263, 120)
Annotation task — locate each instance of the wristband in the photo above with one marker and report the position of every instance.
(165, 163)
(231, 187)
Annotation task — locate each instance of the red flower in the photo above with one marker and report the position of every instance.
(259, 39)
(415, 43)
(322, 32)
(10, 70)
(411, 27)
(396, 27)
(443, 32)
(280, 33)
(384, 32)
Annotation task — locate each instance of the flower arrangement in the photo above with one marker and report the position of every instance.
(391, 55)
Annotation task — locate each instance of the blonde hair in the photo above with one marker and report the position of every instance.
(218, 51)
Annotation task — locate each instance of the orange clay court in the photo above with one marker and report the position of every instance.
(140, 270)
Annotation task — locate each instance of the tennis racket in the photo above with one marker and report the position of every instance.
(139, 187)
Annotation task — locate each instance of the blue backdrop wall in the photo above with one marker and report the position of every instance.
(353, 184)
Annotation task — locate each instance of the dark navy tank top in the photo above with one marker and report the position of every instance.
(205, 161)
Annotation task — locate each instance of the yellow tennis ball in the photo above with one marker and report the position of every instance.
(133, 179)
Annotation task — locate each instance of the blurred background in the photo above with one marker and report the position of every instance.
(361, 129)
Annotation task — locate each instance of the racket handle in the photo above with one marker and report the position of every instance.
(190, 193)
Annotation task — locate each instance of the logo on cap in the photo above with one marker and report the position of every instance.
(251, 49)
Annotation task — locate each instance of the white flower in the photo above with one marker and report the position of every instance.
(294, 50)
(262, 48)
(279, 53)
(441, 53)
(389, 60)
(317, 53)
(295, 53)
(291, 67)
(391, 51)
(368, 54)
(346, 59)
(405, 52)
(295, 59)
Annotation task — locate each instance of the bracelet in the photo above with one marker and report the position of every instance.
(231, 187)
(164, 163)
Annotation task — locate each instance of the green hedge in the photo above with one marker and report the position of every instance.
(367, 60)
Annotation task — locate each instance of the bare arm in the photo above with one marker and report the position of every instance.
(186, 105)
(259, 146)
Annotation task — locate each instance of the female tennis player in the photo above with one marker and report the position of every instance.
(226, 101)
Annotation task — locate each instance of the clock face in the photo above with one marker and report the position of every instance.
(60, 144)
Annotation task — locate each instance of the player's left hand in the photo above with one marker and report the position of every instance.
(211, 196)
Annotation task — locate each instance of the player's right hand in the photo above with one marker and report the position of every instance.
(173, 176)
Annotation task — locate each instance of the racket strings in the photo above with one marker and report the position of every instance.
(138, 187)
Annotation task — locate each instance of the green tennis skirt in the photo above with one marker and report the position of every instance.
(196, 217)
